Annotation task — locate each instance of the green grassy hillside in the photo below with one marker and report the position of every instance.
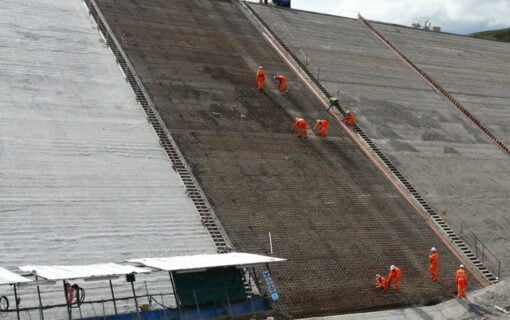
(498, 35)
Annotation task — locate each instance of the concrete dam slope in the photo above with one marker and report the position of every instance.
(83, 178)
(329, 210)
(446, 157)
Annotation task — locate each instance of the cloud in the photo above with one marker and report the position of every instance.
(458, 16)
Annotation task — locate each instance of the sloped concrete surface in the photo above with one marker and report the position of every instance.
(449, 160)
(330, 212)
(82, 176)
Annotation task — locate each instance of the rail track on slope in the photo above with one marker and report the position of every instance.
(435, 85)
(193, 190)
(490, 274)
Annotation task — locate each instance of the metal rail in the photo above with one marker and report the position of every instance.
(477, 258)
(438, 88)
(436, 218)
(166, 140)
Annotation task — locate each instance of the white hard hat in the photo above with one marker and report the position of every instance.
(433, 249)
(461, 266)
(260, 67)
(392, 267)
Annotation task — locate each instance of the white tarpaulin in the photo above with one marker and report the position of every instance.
(8, 277)
(82, 272)
(204, 261)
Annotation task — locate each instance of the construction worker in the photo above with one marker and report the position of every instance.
(434, 264)
(461, 280)
(395, 274)
(333, 102)
(322, 125)
(349, 118)
(380, 282)
(261, 77)
(300, 125)
(283, 82)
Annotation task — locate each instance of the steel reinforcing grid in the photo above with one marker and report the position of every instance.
(489, 275)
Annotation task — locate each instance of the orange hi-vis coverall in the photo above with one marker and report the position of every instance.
(434, 265)
(461, 280)
(397, 275)
(350, 119)
(323, 126)
(261, 76)
(380, 282)
(300, 126)
(283, 82)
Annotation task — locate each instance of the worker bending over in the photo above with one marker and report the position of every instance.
(261, 77)
(380, 282)
(322, 126)
(395, 274)
(300, 125)
(283, 82)
(461, 280)
(333, 102)
(434, 264)
(349, 119)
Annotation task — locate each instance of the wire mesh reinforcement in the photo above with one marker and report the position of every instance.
(488, 274)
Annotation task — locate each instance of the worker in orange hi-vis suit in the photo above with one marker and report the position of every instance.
(349, 119)
(283, 82)
(380, 282)
(461, 280)
(395, 274)
(300, 125)
(434, 264)
(322, 125)
(261, 77)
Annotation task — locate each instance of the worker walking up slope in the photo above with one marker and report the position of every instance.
(434, 264)
(261, 77)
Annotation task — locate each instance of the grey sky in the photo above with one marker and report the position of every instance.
(457, 16)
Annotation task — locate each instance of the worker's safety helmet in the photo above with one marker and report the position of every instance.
(392, 267)
(433, 249)
(260, 67)
(461, 266)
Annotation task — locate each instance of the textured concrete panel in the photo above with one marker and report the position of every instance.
(82, 176)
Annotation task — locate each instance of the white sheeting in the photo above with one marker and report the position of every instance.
(204, 261)
(81, 169)
(8, 277)
(82, 272)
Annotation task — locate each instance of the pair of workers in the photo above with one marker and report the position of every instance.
(460, 274)
(261, 77)
(321, 127)
(386, 283)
